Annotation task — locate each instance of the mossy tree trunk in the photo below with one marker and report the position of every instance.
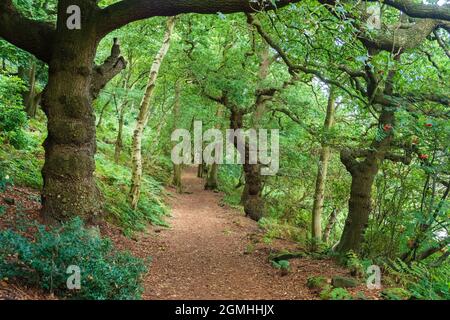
(211, 180)
(69, 185)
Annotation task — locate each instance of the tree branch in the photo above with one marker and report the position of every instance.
(126, 11)
(419, 9)
(30, 35)
(112, 66)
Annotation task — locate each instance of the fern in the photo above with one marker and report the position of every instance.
(422, 281)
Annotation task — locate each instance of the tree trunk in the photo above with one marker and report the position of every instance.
(32, 97)
(118, 146)
(251, 195)
(176, 115)
(363, 175)
(144, 113)
(330, 225)
(211, 181)
(359, 206)
(253, 202)
(69, 186)
(325, 155)
(102, 113)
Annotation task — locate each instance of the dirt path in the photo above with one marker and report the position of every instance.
(203, 254)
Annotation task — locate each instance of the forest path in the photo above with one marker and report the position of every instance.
(202, 255)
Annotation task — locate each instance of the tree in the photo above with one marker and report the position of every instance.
(74, 81)
(144, 113)
(322, 171)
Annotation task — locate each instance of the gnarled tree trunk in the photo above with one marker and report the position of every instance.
(144, 113)
(211, 180)
(363, 176)
(69, 185)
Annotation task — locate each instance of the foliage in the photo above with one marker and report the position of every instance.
(318, 282)
(12, 117)
(43, 262)
(281, 264)
(422, 281)
(113, 178)
(330, 293)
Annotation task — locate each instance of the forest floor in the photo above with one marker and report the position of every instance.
(211, 251)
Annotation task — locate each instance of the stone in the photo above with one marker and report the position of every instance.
(343, 282)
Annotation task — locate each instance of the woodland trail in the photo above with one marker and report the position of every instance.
(203, 255)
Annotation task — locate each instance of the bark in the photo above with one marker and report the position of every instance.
(118, 145)
(322, 172)
(330, 225)
(363, 175)
(32, 97)
(251, 196)
(211, 181)
(102, 113)
(176, 115)
(124, 12)
(69, 186)
(144, 113)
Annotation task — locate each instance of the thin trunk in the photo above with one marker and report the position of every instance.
(211, 181)
(118, 145)
(330, 225)
(325, 155)
(144, 113)
(102, 112)
(31, 99)
(176, 115)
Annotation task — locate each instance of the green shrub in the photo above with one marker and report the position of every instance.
(335, 294)
(421, 280)
(43, 262)
(318, 282)
(12, 115)
(395, 294)
(282, 265)
(114, 182)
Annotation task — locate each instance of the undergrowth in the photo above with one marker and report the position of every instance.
(44, 261)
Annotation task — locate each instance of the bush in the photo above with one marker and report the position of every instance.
(422, 281)
(12, 115)
(330, 293)
(114, 182)
(43, 262)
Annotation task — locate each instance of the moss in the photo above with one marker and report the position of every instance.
(395, 294)
(317, 282)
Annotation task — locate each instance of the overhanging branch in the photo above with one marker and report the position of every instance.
(30, 35)
(126, 11)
